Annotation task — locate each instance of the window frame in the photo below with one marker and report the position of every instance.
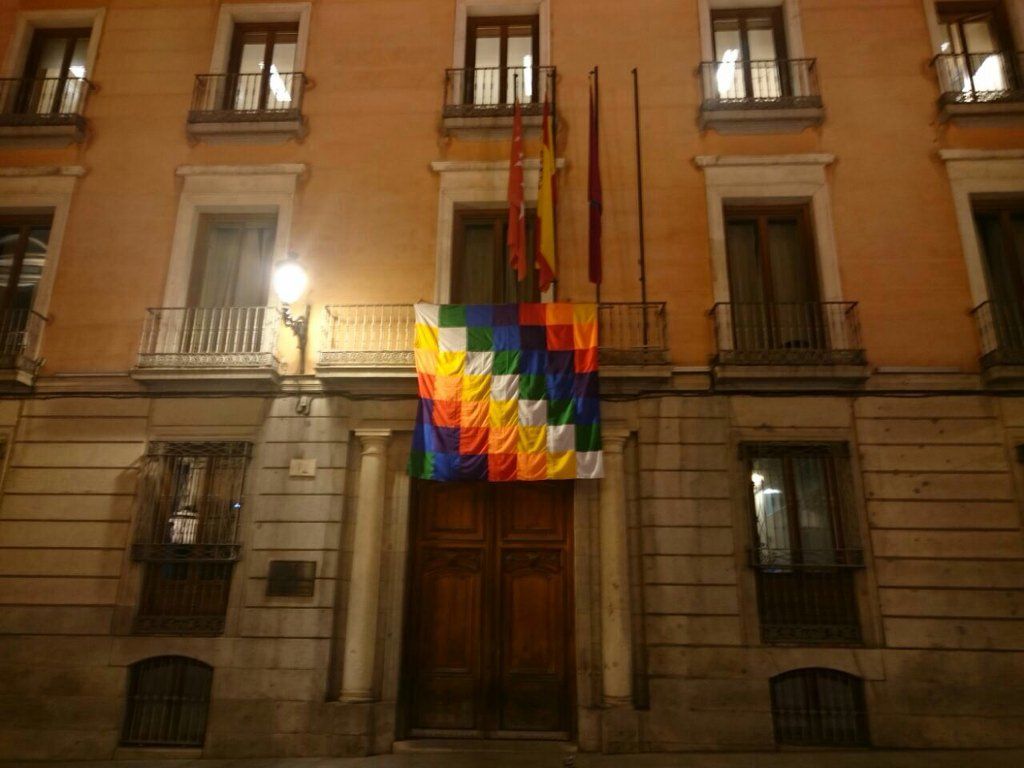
(503, 22)
(25, 222)
(499, 220)
(954, 14)
(271, 29)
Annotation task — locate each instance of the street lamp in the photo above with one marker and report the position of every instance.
(290, 281)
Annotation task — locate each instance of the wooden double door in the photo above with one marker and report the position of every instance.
(489, 631)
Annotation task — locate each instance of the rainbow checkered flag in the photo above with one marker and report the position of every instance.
(507, 392)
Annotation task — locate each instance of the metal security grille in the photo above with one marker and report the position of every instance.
(168, 702)
(187, 534)
(805, 572)
(819, 707)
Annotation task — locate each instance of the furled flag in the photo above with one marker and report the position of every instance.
(507, 392)
(594, 193)
(546, 197)
(516, 199)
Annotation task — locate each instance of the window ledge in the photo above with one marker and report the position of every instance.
(487, 126)
(982, 113)
(790, 376)
(213, 127)
(20, 375)
(170, 376)
(44, 134)
(1002, 375)
(761, 118)
(158, 753)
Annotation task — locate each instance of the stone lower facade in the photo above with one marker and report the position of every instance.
(935, 491)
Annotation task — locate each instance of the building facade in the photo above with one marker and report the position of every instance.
(809, 532)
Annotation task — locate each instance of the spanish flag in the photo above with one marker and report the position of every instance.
(545, 258)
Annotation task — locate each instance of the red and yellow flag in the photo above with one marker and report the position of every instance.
(545, 257)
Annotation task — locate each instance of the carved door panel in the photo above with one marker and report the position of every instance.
(489, 639)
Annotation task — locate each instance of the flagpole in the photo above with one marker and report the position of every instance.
(640, 204)
(597, 285)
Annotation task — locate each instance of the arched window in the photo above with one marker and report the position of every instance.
(168, 700)
(820, 707)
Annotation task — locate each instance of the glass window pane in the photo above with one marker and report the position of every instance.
(486, 75)
(520, 65)
(813, 503)
(979, 36)
(770, 512)
(476, 278)
(235, 258)
(761, 40)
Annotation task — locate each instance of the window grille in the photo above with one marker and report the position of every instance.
(819, 707)
(804, 566)
(187, 535)
(291, 578)
(168, 702)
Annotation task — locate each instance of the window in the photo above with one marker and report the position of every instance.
(819, 707)
(1000, 225)
(801, 552)
(481, 273)
(54, 76)
(187, 534)
(503, 55)
(750, 49)
(976, 58)
(262, 65)
(168, 702)
(24, 240)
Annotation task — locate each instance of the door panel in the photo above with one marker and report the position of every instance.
(488, 649)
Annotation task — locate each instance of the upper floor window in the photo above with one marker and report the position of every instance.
(232, 260)
(262, 62)
(503, 53)
(801, 549)
(24, 241)
(481, 273)
(1000, 225)
(53, 80)
(819, 707)
(748, 46)
(168, 702)
(976, 58)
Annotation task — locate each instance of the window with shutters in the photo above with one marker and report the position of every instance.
(168, 702)
(187, 534)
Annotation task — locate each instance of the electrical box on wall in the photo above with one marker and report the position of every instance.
(302, 468)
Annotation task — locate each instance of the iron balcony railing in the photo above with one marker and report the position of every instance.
(233, 97)
(381, 335)
(1001, 328)
(177, 529)
(210, 337)
(183, 598)
(491, 91)
(776, 83)
(972, 78)
(808, 596)
(43, 100)
(20, 330)
(804, 333)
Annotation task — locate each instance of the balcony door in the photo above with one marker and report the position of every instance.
(54, 73)
(750, 48)
(24, 241)
(502, 54)
(976, 41)
(773, 282)
(1000, 226)
(262, 67)
(480, 268)
(229, 285)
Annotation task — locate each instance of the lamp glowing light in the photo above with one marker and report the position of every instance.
(290, 280)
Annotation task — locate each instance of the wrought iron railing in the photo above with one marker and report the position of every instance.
(235, 97)
(805, 333)
(381, 335)
(491, 91)
(43, 100)
(209, 337)
(20, 330)
(172, 528)
(772, 83)
(1001, 328)
(808, 596)
(972, 78)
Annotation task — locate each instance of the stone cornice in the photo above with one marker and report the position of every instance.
(720, 161)
(29, 171)
(274, 169)
(954, 155)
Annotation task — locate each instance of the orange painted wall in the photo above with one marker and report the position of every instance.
(366, 215)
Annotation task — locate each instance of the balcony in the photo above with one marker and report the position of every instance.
(20, 331)
(479, 101)
(811, 342)
(43, 110)
(264, 106)
(213, 344)
(980, 87)
(808, 597)
(377, 339)
(1001, 329)
(777, 96)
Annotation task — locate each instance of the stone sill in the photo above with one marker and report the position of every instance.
(258, 131)
(981, 113)
(790, 376)
(207, 378)
(1003, 376)
(158, 753)
(54, 135)
(487, 126)
(16, 378)
(761, 119)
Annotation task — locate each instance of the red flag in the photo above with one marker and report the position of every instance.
(594, 189)
(516, 199)
(545, 256)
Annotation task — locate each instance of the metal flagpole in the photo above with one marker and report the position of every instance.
(640, 205)
(595, 97)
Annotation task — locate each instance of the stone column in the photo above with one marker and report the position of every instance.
(364, 588)
(616, 651)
